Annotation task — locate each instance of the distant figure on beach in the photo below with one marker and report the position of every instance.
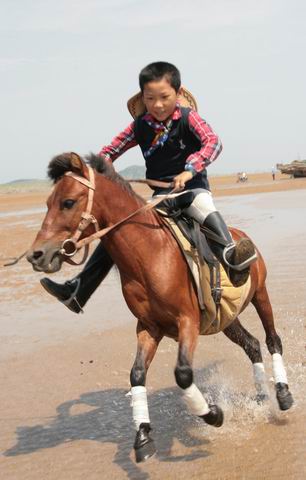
(273, 173)
(242, 177)
(177, 146)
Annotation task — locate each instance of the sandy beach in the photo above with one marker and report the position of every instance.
(64, 377)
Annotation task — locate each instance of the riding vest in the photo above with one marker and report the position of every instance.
(169, 160)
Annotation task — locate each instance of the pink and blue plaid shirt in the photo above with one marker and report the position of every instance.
(210, 143)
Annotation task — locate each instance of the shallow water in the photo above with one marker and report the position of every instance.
(275, 221)
(269, 218)
(22, 213)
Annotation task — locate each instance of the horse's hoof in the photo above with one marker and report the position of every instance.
(284, 397)
(145, 452)
(144, 445)
(214, 417)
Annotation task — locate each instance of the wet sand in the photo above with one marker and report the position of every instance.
(64, 377)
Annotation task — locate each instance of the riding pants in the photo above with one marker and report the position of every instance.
(197, 203)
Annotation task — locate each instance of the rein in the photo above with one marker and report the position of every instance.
(70, 246)
(152, 183)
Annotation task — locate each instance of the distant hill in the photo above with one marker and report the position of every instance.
(134, 171)
(24, 181)
(25, 185)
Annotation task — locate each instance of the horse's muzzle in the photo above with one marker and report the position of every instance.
(45, 258)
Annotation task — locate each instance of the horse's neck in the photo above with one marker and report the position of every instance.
(112, 203)
(133, 241)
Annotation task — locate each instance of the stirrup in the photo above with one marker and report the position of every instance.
(73, 296)
(241, 266)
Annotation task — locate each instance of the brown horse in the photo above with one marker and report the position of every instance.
(155, 278)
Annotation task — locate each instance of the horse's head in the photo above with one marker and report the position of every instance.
(65, 205)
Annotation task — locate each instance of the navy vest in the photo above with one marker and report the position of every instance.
(169, 160)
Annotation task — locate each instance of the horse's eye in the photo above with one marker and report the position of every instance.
(68, 203)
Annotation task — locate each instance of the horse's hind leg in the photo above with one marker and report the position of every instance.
(147, 344)
(196, 403)
(263, 307)
(239, 335)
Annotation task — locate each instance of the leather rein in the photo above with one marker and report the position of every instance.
(70, 246)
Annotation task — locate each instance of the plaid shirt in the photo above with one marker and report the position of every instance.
(210, 143)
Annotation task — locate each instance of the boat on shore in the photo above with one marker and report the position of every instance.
(296, 169)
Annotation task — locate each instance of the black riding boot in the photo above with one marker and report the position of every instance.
(235, 258)
(76, 292)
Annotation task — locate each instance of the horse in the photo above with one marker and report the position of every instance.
(155, 279)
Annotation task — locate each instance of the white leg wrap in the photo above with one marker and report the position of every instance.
(279, 371)
(140, 406)
(260, 378)
(195, 401)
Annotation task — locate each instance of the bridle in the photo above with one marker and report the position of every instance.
(70, 246)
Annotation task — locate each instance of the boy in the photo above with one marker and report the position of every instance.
(177, 145)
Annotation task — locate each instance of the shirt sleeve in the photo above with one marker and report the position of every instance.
(120, 144)
(211, 145)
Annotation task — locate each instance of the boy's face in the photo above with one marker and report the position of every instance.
(160, 99)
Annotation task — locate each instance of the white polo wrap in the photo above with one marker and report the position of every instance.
(260, 378)
(195, 401)
(279, 371)
(140, 406)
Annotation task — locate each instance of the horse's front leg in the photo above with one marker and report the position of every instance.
(147, 344)
(196, 403)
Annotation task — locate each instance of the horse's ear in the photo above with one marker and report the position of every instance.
(76, 162)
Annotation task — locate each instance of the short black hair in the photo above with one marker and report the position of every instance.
(158, 70)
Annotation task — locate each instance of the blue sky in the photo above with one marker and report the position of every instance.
(68, 67)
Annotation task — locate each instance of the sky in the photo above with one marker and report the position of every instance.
(68, 67)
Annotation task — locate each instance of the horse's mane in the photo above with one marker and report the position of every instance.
(61, 164)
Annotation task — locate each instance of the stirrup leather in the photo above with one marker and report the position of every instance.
(241, 266)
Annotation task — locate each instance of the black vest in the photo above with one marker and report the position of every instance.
(169, 160)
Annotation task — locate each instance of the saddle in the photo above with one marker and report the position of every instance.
(220, 302)
(197, 236)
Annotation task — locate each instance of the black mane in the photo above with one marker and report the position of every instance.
(61, 164)
(106, 168)
(58, 166)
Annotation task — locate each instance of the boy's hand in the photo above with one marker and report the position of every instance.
(180, 180)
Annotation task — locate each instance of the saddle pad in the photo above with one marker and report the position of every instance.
(213, 319)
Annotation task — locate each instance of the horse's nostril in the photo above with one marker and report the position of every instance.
(37, 254)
